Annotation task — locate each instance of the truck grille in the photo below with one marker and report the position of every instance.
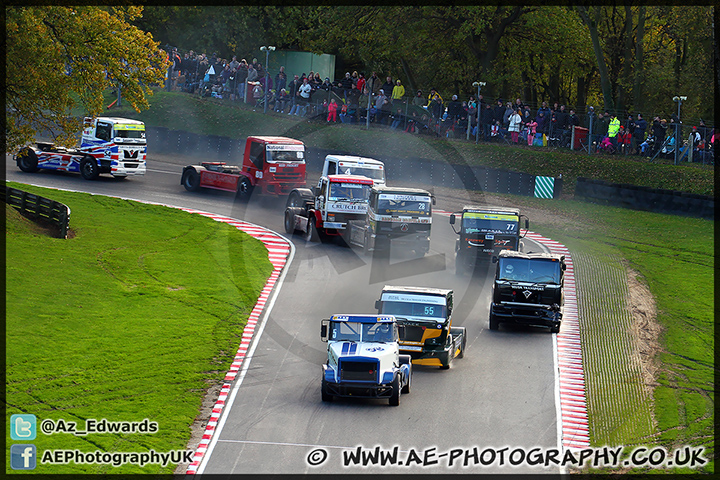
(284, 177)
(359, 371)
(413, 333)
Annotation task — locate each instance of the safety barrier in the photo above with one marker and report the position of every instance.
(645, 198)
(38, 208)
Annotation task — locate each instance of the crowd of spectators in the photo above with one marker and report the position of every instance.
(355, 98)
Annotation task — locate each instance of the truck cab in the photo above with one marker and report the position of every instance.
(425, 314)
(271, 166)
(528, 290)
(363, 358)
(118, 144)
(354, 165)
(484, 232)
(395, 214)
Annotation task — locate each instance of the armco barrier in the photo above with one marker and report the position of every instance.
(645, 198)
(419, 170)
(36, 208)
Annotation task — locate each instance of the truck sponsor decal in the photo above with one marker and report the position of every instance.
(404, 198)
(347, 207)
(349, 348)
(361, 164)
(273, 147)
(400, 219)
(491, 216)
(402, 297)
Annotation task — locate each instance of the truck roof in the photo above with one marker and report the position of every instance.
(401, 190)
(540, 255)
(491, 209)
(363, 318)
(120, 120)
(271, 139)
(354, 158)
(351, 179)
(443, 292)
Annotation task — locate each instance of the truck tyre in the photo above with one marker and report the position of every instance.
(295, 200)
(289, 221)
(493, 323)
(191, 180)
(406, 360)
(27, 161)
(312, 234)
(463, 333)
(395, 395)
(326, 397)
(244, 189)
(555, 329)
(89, 168)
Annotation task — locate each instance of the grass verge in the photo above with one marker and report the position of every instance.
(133, 318)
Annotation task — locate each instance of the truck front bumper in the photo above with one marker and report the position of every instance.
(127, 169)
(526, 314)
(420, 243)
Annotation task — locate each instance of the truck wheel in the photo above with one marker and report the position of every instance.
(244, 189)
(395, 395)
(326, 397)
(27, 161)
(289, 221)
(462, 343)
(406, 360)
(295, 200)
(312, 234)
(89, 168)
(493, 323)
(191, 180)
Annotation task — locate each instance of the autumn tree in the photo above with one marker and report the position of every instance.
(58, 58)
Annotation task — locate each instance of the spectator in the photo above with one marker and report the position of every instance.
(532, 130)
(543, 123)
(558, 124)
(397, 118)
(252, 75)
(293, 93)
(506, 116)
(486, 119)
(353, 96)
(658, 131)
(431, 96)
(454, 109)
(380, 101)
(418, 100)
(398, 92)
(281, 100)
(332, 111)
(546, 111)
(326, 85)
(317, 81)
(437, 107)
(360, 83)
(355, 77)
(280, 79)
(518, 105)
(257, 93)
(373, 84)
(639, 133)
(499, 113)
(347, 84)
(232, 83)
(302, 98)
(624, 139)
(613, 129)
(514, 122)
(388, 86)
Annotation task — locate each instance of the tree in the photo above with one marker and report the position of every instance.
(60, 57)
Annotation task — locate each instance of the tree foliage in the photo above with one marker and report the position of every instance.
(58, 57)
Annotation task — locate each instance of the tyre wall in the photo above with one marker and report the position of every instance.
(645, 198)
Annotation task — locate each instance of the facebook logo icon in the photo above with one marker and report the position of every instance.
(23, 426)
(22, 457)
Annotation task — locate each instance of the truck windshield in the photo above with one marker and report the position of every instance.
(362, 332)
(431, 312)
(370, 172)
(349, 191)
(489, 223)
(129, 131)
(524, 270)
(407, 205)
(290, 156)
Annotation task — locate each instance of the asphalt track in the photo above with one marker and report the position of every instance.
(502, 394)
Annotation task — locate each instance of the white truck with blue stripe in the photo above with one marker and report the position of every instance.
(108, 145)
(363, 358)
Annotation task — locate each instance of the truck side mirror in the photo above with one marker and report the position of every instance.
(527, 224)
(452, 219)
(433, 199)
(324, 330)
(377, 305)
(494, 259)
(564, 266)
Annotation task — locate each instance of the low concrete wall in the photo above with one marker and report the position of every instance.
(645, 198)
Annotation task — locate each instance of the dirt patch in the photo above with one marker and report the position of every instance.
(645, 330)
(197, 429)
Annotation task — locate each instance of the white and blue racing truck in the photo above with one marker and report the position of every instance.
(363, 358)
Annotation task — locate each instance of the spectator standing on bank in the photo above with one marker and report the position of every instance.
(304, 92)
(499, 112)
(380, 101)
(332, 111)
(486, 120)
(373, 84)
(454, 109)
(431, 96)
(397, 119)
(419, 100)
(281, 100)
(360, 83)
(347, 84)
(437, 108)
(613, 130)
(514, 122)
(639, 133)
(398, 92)
(281, 79)
(532, 130)
(388, 86)
(543, 123)
(252, 75)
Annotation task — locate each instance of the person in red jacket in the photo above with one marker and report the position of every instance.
(332, 111)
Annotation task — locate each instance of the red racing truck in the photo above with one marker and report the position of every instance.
(272, 165)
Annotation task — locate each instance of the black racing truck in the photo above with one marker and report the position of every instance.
(484, 232)
(399, 215)
(528, 290)
(425, 315)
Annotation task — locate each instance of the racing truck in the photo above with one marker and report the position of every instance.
(528, 290)
(395, 214)
(425, 315)
(338, 200)
(484, 232)
(363, 358)
(272, 165)
(108, 145)
(353, 165)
